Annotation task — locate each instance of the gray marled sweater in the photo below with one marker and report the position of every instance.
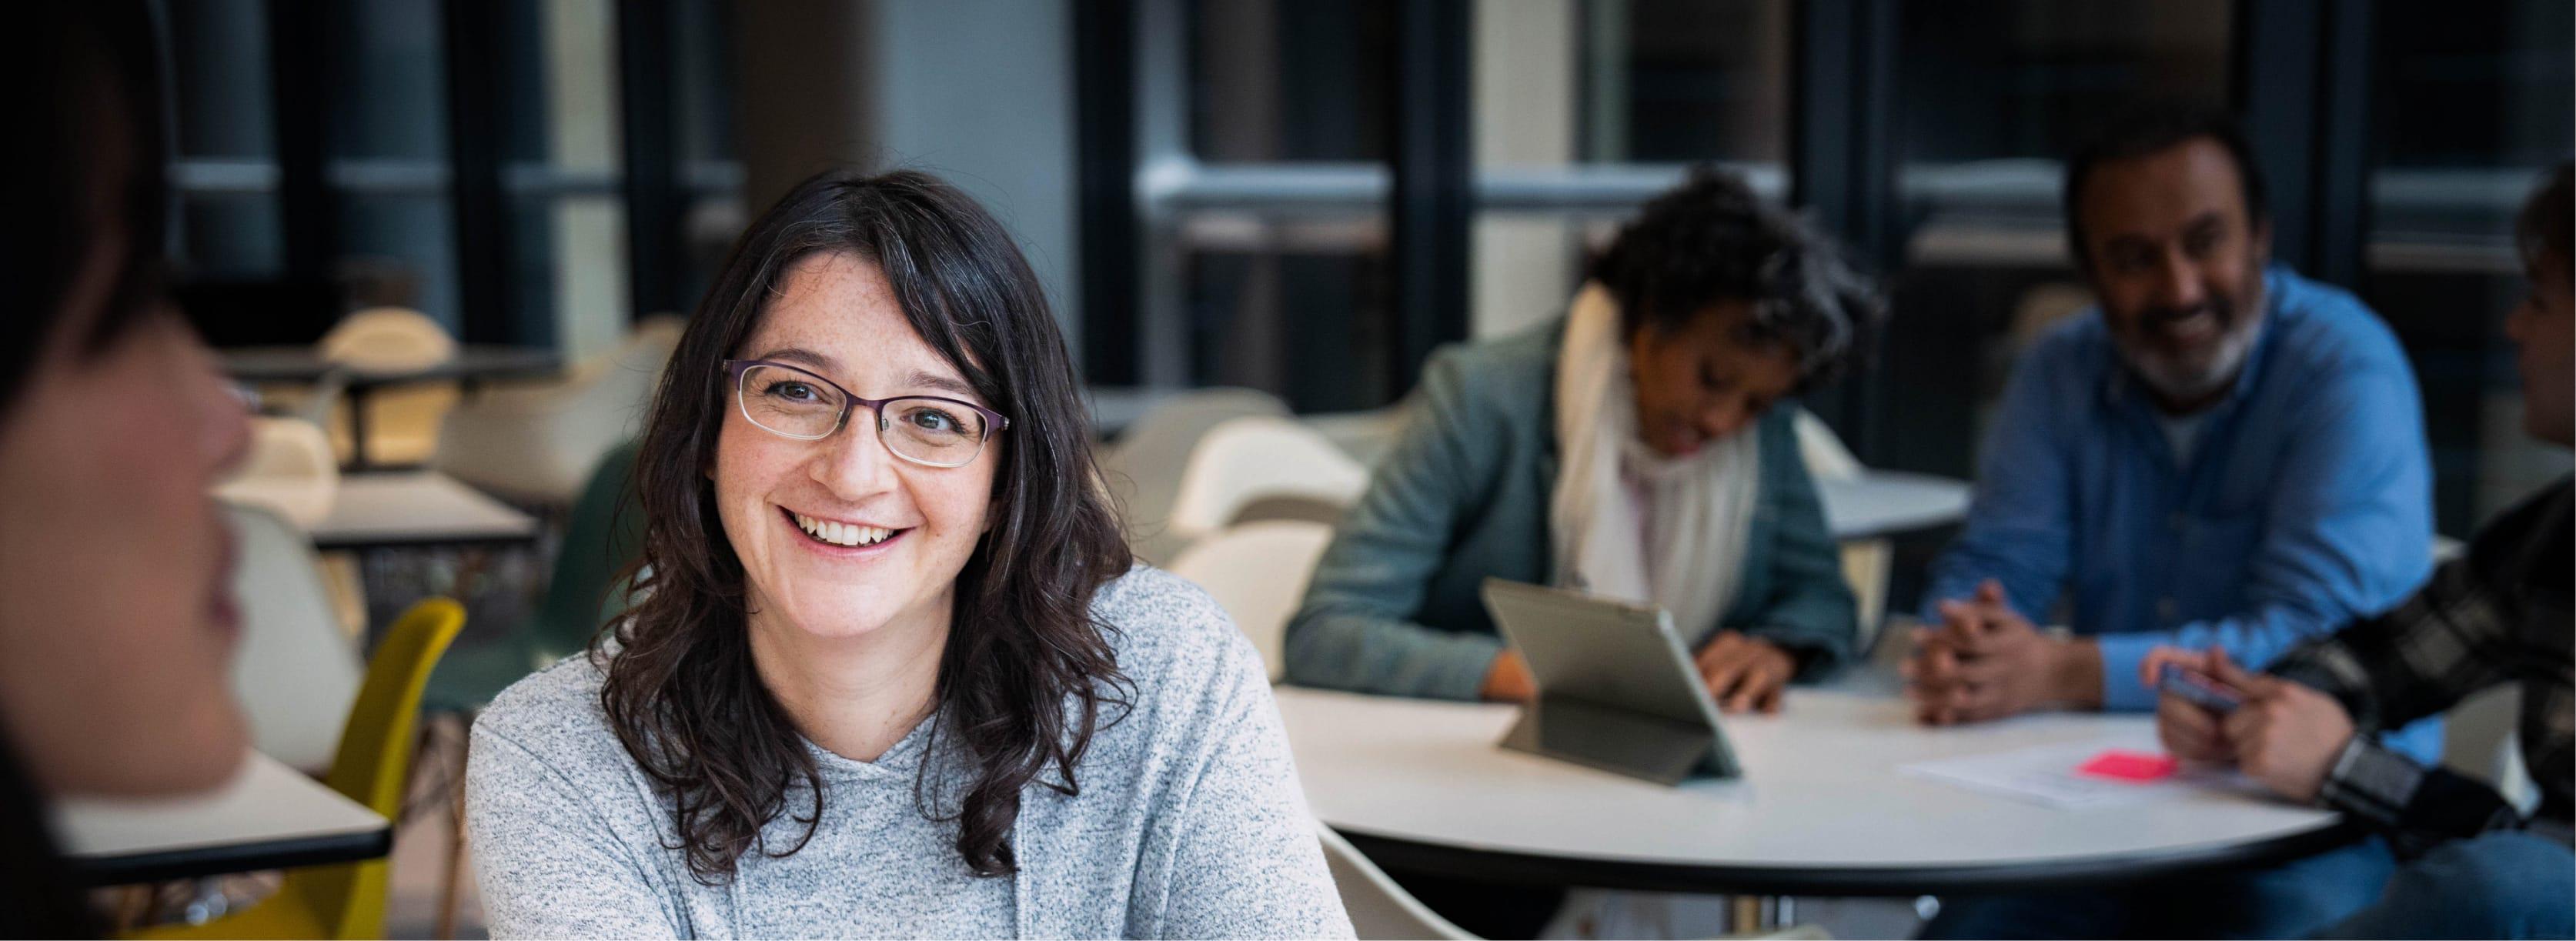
(1189, 823)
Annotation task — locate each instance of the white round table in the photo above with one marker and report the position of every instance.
(1822, 808)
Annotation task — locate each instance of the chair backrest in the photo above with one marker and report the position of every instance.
(388, 338)
(1826, 456)
(1257, 572)
(1142, 470)
(296, 673)
(605, 533)
(290, 471)
(374, 765)
(1256, 456)
(1378, 907)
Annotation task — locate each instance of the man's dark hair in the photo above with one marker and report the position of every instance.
(2545, 232)
(2155, 127)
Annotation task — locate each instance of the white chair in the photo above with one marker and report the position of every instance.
(537, 443)
(1257, 572)
(290, 471)
(403, 421)
(296, 672)
(1365, 436)
(1142, 470)
(1867, 563)
(388, 339)
(1378, 907)
(1249, 459)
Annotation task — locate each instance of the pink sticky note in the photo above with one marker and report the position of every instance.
(2124, 765)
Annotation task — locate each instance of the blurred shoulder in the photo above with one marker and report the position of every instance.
(555, 714)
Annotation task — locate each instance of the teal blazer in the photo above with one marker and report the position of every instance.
(1393, 607)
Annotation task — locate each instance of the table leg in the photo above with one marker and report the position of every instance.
(357, 428)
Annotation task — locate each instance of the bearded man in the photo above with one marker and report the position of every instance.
(2223, 453)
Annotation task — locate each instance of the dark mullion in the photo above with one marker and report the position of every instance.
(2342, 207)
(481, 208)
(2278, 56)
(1433, 192)
(654, 261)
(1840, 157)
(299, 99)
(1104, 57)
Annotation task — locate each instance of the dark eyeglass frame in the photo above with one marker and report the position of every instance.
(994, 422)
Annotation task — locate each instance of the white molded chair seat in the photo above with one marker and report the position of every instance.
(536, 443)
(1867, 563)
(388, 338)
(1257, 572)
(290, 471)
(1142, 469)
(1378, 907)
(1258, 457)
(297, 671)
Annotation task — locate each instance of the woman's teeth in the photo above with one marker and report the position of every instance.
(843, 534)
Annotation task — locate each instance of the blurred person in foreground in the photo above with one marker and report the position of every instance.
(115, 643)
(2477, 866)
(1634, 448)
(2221, 453)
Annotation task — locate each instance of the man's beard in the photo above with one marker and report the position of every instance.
(2180, 380)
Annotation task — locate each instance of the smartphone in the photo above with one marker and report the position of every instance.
(2198, 688)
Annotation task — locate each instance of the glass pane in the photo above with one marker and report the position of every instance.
(230, 235)
(563, 115)
(400, 250)
(1296, 306)
(1584, 110)
(1276, 80)
(702, 52)
(1991, 95)
(571, 272)
(389, 97)
(1682, 81)
(2472, 104)
(219, 52)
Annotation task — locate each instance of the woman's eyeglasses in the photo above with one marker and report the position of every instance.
(924, 429)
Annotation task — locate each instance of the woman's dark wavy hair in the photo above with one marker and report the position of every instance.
(1712, 239)
(1026, 671)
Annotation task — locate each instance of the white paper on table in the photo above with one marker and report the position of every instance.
(2046, 775)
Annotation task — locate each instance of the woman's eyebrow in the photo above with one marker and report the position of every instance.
(931, 380)
(802, 356)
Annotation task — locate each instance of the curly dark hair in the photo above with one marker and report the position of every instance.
(1026, 673)
(1712, 239)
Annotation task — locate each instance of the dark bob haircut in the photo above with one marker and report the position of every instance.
(1026, 673)
(2154, 127)
(86, 174)
(1712, 239)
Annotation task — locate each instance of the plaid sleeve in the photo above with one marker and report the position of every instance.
(2454, 637)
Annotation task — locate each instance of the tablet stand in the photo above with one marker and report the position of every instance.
(1618, 740)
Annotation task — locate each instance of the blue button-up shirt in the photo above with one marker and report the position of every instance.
(2305, 499)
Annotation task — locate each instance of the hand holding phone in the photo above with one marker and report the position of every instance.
(2198, 688)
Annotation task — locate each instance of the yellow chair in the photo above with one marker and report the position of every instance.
(347, 900)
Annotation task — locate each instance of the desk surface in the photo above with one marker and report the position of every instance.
(1886, 502)
(305, 364)
(269, 817)
(416, 508)
(1822, 808)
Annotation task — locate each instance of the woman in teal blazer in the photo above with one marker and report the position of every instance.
(1705, 313)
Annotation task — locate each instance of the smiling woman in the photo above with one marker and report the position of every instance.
(892, 674)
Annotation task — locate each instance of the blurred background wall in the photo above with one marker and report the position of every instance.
(1306, 196)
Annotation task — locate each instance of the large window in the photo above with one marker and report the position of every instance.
(469, 160)
(2471, 104)
(1275, 144)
